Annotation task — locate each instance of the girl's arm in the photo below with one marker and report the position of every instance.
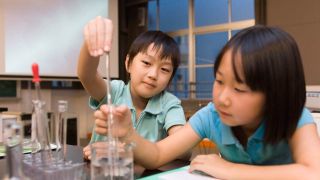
(305, 146)
(148, 154)
(153, 155)
(174, 129)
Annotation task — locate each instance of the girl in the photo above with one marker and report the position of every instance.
(257, 118)
(151, 62)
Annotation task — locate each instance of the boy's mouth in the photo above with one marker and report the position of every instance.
(149, 85)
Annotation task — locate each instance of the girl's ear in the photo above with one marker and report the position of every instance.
(127, 64)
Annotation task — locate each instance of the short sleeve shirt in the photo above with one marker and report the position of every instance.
(207, 124)
(162, 112)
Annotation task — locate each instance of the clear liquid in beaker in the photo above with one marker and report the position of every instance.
(121, 169)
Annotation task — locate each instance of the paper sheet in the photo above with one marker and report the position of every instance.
(185, 175)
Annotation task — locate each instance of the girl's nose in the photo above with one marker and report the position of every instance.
(224, 98)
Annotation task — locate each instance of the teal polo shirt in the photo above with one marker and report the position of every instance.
(207, 124)
(162, 112)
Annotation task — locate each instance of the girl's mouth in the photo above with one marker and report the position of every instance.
(224, 113)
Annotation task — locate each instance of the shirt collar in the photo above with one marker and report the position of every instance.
(259, 133)
(129, 99)
(227, 136)
(154, 105)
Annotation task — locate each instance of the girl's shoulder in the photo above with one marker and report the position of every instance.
(305, 118)
(206, 122)
(207, 113)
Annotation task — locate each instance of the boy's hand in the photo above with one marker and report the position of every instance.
(87, 152)
(98, 36)
(122, 126)
(100, 148)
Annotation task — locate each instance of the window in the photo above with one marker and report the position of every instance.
(180, 82)
(207, 48)
(201, 28)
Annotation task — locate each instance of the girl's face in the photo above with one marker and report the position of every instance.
(148, 73)
(235, 102)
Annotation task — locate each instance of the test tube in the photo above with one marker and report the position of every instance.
(62, 109)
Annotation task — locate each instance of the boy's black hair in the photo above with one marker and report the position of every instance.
(162, 42)
(271, 64)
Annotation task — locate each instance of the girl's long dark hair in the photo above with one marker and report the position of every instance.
(271, 64)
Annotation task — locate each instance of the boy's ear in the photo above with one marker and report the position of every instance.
(127, 64)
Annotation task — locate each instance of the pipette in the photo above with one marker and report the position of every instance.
(36, 79)
(34, 125)
(41, 119)
(109, 100)
(112, 141)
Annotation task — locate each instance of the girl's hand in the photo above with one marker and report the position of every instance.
(122, 126)
(98, 36)
(211, 164)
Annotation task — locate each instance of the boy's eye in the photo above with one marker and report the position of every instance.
(165, 69)
(145, 62)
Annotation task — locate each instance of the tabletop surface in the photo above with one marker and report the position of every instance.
(74, 154)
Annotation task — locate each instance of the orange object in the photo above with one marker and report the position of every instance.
(206, 143)
(89, 135)
(206, 147)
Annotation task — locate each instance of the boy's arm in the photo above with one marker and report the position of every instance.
(98, 38)
(89, 76)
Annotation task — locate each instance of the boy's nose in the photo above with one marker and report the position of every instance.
(153, 73)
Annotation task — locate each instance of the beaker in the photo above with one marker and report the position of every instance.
(111, 162)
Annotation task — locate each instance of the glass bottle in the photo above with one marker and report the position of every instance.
(13, 136)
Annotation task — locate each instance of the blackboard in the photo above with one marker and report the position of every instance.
(8, 89)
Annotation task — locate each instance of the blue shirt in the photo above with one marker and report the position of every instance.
(162, 112)
(207, 124)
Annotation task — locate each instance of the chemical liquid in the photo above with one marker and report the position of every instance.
(122, 169)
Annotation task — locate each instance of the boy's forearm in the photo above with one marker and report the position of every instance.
(88, 74)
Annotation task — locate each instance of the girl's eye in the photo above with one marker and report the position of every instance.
(240, 90)
(219, 81)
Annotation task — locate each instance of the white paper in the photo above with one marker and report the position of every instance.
(185, 175)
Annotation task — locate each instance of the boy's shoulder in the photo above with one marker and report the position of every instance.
(118, 86)
(168, 97)
(118, 83)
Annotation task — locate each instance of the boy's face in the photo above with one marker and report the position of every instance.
(148, 73)
(235, 102)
